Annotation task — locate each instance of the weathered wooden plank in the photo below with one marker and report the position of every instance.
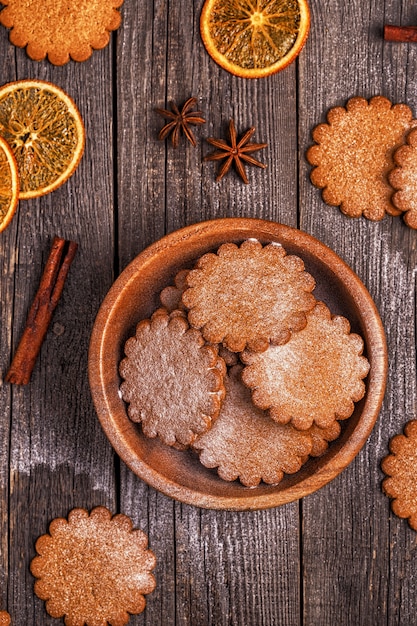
(399, 74)
(217, 555)
(141, 193)
(220, 567)
(237, 568)
(59, 457)
(216, 568)
(346, 560)
(7, 262)
(141, 75)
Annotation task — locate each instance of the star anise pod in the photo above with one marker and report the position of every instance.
(180, 120)
(237, 152)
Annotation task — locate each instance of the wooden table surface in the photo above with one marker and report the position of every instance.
(337, 557)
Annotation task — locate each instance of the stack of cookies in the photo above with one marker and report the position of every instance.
(242, 365)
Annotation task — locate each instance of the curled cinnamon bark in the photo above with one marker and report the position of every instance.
(400, 33)
(40, 313)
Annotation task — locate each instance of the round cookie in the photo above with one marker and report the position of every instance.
(4, 618)
(403, 178)
(171, 296)
(60, 29)
(248, 296)
(245, 443)
(401, 470)
(173, 380)
(314, 378)
(171, 300)
(93, 568)
(354, 154)
(321, 437)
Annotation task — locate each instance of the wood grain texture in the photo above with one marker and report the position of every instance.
(348, 573)
(337, 557)
(58, 457)
(185, 192)
(7, 262)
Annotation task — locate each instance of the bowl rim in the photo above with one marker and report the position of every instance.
(326, 471)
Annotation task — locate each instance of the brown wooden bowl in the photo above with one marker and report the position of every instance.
(134, 296)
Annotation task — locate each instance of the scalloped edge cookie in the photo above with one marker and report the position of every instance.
(249, 295)
(5, 619)
(245, 444)
(60, 29)
(173, 379)
(353, 154)
(93, 568)
(170, 296)
(315, 378)
(401, 470)
(403, 178)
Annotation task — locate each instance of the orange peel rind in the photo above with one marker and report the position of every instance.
(9, 184)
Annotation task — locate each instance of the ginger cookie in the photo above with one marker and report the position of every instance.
(248, 296)
(354, 154)
(401, 470)
(314, 378)
(173, 381)
(171, 296)
(403, 178)
(245, 443)
(321, 437)
(4, 618)
(171, 299)
(93, 569)
(229, 357)
(60, 29)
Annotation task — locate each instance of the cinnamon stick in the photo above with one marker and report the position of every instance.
(47, 297)
(400, 33)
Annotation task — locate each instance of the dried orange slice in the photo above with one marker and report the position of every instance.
(44, 128)
(254, 38)
(9, 184)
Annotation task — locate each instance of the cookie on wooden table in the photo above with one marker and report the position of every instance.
(314, 378)
(401, 470)
(403, 178)
(60, 29)
(245, 443)
(173, 382)
(248, 295)
(4, 618)
(93, 569)
(354, 154)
